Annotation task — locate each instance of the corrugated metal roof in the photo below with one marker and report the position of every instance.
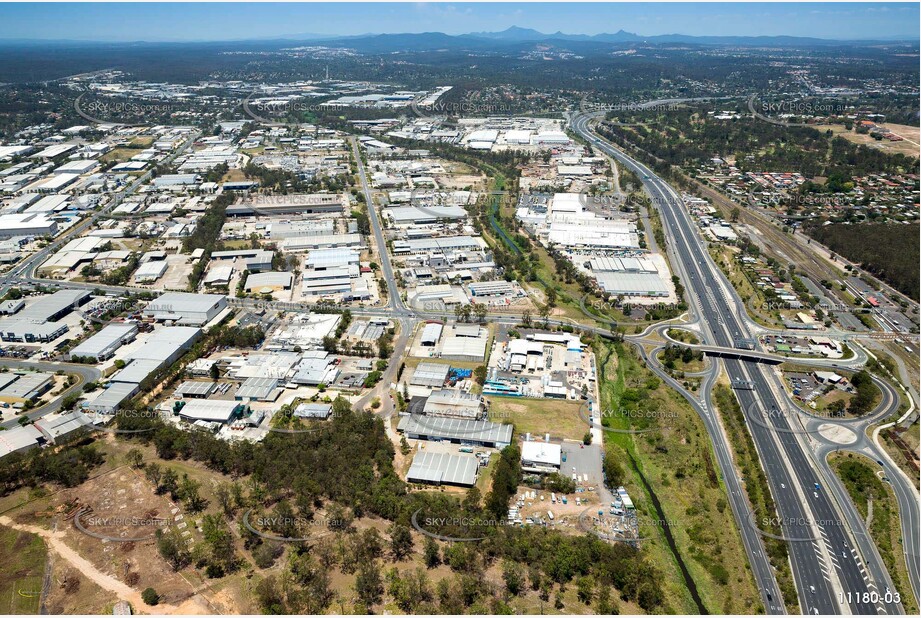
(269, 279)
(113, 334)
(111, 397)
(257, 388)
(443, 468)
(467, 330)
(313, 410)
(18, 438)
(135, 371)
(26, 385)
(47, 306)
(631, 283)
(431, 333)
(209, 410)
(195, 387)
(430, 374)
(56, 426)
(456, 429)
(464, 347)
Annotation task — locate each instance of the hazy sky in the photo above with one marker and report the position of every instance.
(225, 21)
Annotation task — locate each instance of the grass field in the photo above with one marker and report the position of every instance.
(676, 461)
(679, 334)
(864, 486)
(539, 416)
(908, 146)
(119, 154)
(756, 487)
(22, 573)
(725, 258)
(237, 244)
(142, 141)
(234, 175)
(911, 437)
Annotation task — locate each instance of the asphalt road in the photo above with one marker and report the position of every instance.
(790, 464)
(25, 270)
(813, 524)
(395, 301)
(904, 491)
(87, 374)
(761, 568)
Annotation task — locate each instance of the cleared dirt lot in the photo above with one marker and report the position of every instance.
(121, 504)
(908, 146)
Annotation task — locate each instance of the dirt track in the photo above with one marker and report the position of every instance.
(123, 591)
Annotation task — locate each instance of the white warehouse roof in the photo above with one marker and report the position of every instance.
(209, 410)
(543, 453)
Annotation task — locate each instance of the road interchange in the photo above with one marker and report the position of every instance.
(825, 585)
(719, 315)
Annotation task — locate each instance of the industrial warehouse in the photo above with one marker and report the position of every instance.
(186, 309)
(541, 365)
(455, 342)
(102, 345)
(601, 242)
(387, 318)
(443, 469)
(39, 320)
(458, 431)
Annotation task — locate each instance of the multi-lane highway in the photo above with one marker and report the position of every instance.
(836, 567)
(836, 570)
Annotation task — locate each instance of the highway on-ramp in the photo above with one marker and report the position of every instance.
(830, 577)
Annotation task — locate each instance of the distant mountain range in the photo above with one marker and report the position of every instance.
(621, 36)
(510, 39)
(515, 38)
